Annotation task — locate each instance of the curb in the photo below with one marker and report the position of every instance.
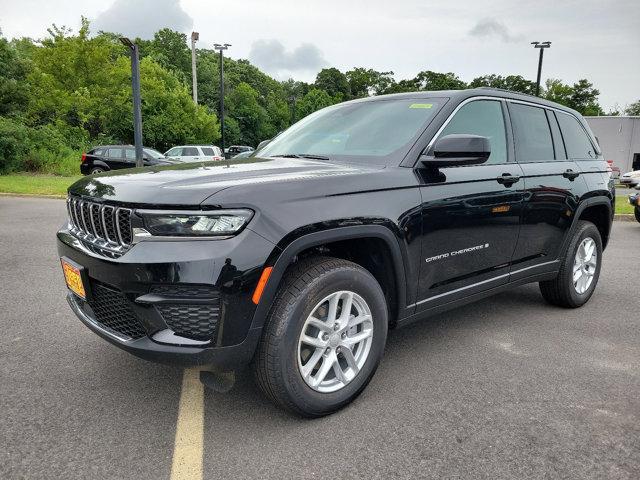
(624, 217)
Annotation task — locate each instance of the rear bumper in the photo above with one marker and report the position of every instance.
(157, 291)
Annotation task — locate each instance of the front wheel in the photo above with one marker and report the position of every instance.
(324, 337)
(579, 270)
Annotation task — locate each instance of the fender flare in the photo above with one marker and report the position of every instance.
(589, 202)
(101, 164)
(398, 257)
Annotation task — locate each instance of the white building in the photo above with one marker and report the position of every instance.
(619, 139)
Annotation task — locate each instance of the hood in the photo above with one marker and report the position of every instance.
(192, 183)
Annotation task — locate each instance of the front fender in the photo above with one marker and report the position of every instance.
(306, 237)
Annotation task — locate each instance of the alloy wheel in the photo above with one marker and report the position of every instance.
(335, 341)
(584, 265)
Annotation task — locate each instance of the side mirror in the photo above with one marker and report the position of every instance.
(458, 149)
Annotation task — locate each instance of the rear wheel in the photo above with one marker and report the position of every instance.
(579, 271)
(97, 170)
(324, 337)
(636, 211)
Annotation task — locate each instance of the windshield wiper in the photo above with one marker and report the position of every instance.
(303, 155)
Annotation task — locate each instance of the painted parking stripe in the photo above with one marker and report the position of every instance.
(187, 450)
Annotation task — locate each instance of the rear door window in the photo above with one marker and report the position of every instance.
(130, 153)
(114, 152)
(532, 134)
(579, 147)
(189, 152)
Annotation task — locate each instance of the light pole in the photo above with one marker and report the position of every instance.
(541, 46)
(221, 47)
(195, 36)
(135, 87)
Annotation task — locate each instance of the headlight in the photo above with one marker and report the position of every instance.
(193, 224)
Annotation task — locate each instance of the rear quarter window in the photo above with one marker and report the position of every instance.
(208, 151)
(579, 147)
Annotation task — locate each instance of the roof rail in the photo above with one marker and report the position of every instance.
(509, 91)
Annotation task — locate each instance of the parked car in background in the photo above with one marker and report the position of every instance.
(234, 150)
(631, 179)
(615, 171)
(195, 153)
(635, 201)
(114, 157)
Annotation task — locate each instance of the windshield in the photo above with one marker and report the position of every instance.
(153, 153)
(363, 129)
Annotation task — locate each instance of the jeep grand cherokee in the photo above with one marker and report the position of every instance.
(363, 216)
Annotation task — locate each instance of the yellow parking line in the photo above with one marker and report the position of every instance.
(187, 450)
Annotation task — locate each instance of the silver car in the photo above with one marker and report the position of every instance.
(631, 179)
(194, 153)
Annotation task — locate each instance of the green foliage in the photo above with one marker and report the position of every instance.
(364, 82)
(333, 82)
(70, 91)
(514, 83)
(582, 96)
(633, 109)
(312, 101)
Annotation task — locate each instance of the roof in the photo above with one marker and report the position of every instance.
(472, 92)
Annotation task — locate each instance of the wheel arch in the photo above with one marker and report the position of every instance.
(597, 210)
(285, 254)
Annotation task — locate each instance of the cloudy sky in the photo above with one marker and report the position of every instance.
(594, 39)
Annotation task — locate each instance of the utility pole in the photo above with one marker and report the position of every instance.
(541, 46)
(221, 48)
(195, 36)
(135, 87)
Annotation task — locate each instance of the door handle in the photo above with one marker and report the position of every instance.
(507, 179)
(570, 174)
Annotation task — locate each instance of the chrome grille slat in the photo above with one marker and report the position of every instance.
(104, 228)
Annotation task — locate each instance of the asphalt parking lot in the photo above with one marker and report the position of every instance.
(506, 388)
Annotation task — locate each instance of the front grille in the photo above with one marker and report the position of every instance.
(113, 312)
(104, 226)
(198, 322)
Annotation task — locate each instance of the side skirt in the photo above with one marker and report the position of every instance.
(476, 296)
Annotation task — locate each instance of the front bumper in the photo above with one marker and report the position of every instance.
(147, 312)
(629, 181)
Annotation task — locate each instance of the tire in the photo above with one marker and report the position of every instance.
(97, 170)
(561, 291)
(636, 212)
(278, 364)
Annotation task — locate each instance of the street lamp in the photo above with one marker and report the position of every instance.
(221, 47)
(541, 46)
(195, 36)
(135, 87)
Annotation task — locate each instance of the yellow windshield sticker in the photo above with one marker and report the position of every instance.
(421, 105)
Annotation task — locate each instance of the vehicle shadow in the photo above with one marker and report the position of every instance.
(493, 314)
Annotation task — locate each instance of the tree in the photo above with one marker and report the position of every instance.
(633, 109)
(430, 81)
(252, 119)
(14, 92)
(334, 82)
(312, 101)
(585, 98)
(364, 82)
(514, 83)
(582, 96)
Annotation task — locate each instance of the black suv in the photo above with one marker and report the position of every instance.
(114, 157)
(364, 216)
(234, 150)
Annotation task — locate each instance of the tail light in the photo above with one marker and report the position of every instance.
(84, 157)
